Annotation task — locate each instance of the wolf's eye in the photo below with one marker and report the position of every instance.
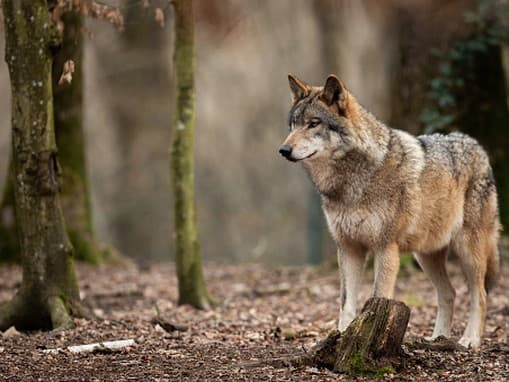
(314, 122)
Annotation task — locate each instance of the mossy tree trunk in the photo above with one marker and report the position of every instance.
(187, 248)
(68, 114)
(68, 111)
(49, 289)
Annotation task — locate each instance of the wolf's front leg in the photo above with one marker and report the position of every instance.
(386, 271)
(351, 265)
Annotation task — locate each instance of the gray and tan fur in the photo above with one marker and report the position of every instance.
(385, 192)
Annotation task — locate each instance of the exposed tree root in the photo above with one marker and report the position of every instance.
(32, 313)
(60, 318)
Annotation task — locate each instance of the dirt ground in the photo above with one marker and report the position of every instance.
(261, 314)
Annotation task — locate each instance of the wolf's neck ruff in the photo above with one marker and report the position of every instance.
(343, 180)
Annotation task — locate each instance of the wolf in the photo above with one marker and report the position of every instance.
(384, 191)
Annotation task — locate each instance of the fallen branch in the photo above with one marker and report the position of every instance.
(108, 347)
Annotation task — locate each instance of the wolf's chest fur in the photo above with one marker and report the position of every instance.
(357, 224)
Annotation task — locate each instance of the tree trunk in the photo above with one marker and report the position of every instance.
(139, 218)
(9, 248)
(49, 290)
(68, 111)
(74, 195)
(420, 28)
(187, 249)
(371, 345)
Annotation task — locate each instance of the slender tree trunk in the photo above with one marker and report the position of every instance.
(139, 219)
(187, 248)
(49, 290)
(68, 109)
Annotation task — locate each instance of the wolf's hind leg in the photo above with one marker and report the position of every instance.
(434, 266)
(351, 265)
(469, 247)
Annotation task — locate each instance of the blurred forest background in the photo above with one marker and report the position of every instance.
(419, 65)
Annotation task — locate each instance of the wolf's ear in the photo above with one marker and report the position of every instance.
(334, 91)
(298, 87)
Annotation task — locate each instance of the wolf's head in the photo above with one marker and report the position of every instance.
(320, 121)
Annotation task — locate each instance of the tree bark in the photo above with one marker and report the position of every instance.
(49, 289)
(68, 111)
(371, 345)
(187, 248)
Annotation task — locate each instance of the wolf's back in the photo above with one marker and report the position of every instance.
(461, 154)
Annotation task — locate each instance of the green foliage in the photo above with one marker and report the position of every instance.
(456, 72)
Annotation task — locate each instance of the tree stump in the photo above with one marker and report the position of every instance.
(371, 345)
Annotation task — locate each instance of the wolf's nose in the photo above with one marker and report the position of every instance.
(285, 151)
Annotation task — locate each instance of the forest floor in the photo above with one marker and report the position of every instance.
(261, 314)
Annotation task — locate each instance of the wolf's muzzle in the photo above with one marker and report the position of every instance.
(285, 151)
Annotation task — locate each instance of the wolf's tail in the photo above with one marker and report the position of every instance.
(493, 267)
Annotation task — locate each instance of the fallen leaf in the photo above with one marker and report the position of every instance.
(67, 71)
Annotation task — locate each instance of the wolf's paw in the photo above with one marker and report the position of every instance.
(342, 325)
(436, 337)
(344, 322)
(470, 342)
